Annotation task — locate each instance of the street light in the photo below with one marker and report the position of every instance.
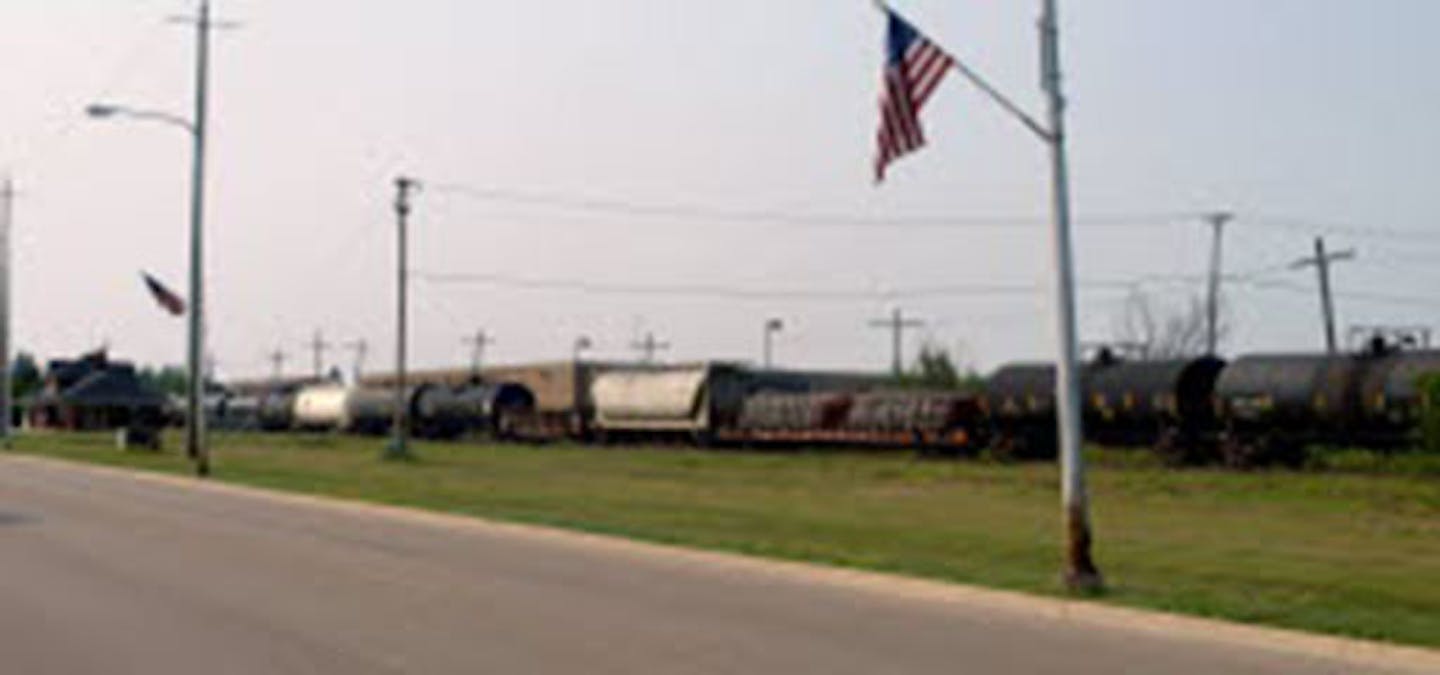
(195, 412)
(582, 343)
(772, 326)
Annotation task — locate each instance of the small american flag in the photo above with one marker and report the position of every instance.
(165, 297)
(914, 67)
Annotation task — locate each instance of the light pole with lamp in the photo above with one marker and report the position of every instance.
(195, 447)
(582, 344)
(772, 326)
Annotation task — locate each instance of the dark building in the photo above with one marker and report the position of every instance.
(94, 393)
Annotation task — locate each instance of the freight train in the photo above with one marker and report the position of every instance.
(1254, 410)
(1257, 409)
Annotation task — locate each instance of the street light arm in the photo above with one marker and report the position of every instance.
(105, 111)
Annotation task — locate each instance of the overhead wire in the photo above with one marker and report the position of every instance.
(613, 206)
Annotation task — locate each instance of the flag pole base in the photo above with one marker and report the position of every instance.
(1081, 577)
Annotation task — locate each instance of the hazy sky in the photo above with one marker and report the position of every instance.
(1300, 115)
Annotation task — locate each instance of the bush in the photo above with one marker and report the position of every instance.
(1430, 412)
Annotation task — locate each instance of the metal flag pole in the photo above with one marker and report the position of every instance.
(1080, 571)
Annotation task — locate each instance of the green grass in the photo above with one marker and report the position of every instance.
(1348, 553)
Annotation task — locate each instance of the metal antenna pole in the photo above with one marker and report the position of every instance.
(1081, 573)
(399, 448)
(1212, 305)
(7, 214)
(1322, 261)
(195, 446)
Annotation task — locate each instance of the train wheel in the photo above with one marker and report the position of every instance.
(1177, 448)
(1240, 452)
(1170, 448)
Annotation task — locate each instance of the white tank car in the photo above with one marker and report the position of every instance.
(322, 407)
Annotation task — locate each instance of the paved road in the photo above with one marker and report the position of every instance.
(103, 572)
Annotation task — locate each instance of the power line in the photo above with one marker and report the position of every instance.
(1372, 296)
(1313, 227)
(731, 292)
(612, 206)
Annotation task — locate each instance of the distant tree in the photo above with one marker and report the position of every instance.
(935, 368)
(166, 379)
(25, 375)
(1151, 333)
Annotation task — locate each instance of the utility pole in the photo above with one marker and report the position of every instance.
(361, 348)
(399, 448)
(277, 363)
(1212, 305)
(896, 324)
(477, 345)
(7, 214)
(1081, 574)
(1321, 262)
(195, 445)
(649, 347)
(318, 347)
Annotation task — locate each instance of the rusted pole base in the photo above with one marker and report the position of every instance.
(1081, 575)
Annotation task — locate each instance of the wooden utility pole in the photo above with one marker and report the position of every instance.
(1212, 305)
(649, 347)
(896, 324)
(1322, 261)
(318, 347)
(477, 344)
(361, 347)
(277, 363)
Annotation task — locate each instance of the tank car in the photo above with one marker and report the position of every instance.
(277, 410)
(1019, 402)
(1392, 402)
(501, 409)
(1165, 405)
(1273, 405)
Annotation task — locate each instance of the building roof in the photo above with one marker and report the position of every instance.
(115, 387)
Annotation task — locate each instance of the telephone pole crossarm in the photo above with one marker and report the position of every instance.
(896, 324)
(1321, 261)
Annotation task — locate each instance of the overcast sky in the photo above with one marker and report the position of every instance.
(1302, 116)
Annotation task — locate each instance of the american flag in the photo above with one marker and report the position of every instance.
(164, 296)
(914, 67)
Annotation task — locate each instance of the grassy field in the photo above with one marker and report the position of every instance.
(1349, 553)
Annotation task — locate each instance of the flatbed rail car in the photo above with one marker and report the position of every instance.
(929, 421)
